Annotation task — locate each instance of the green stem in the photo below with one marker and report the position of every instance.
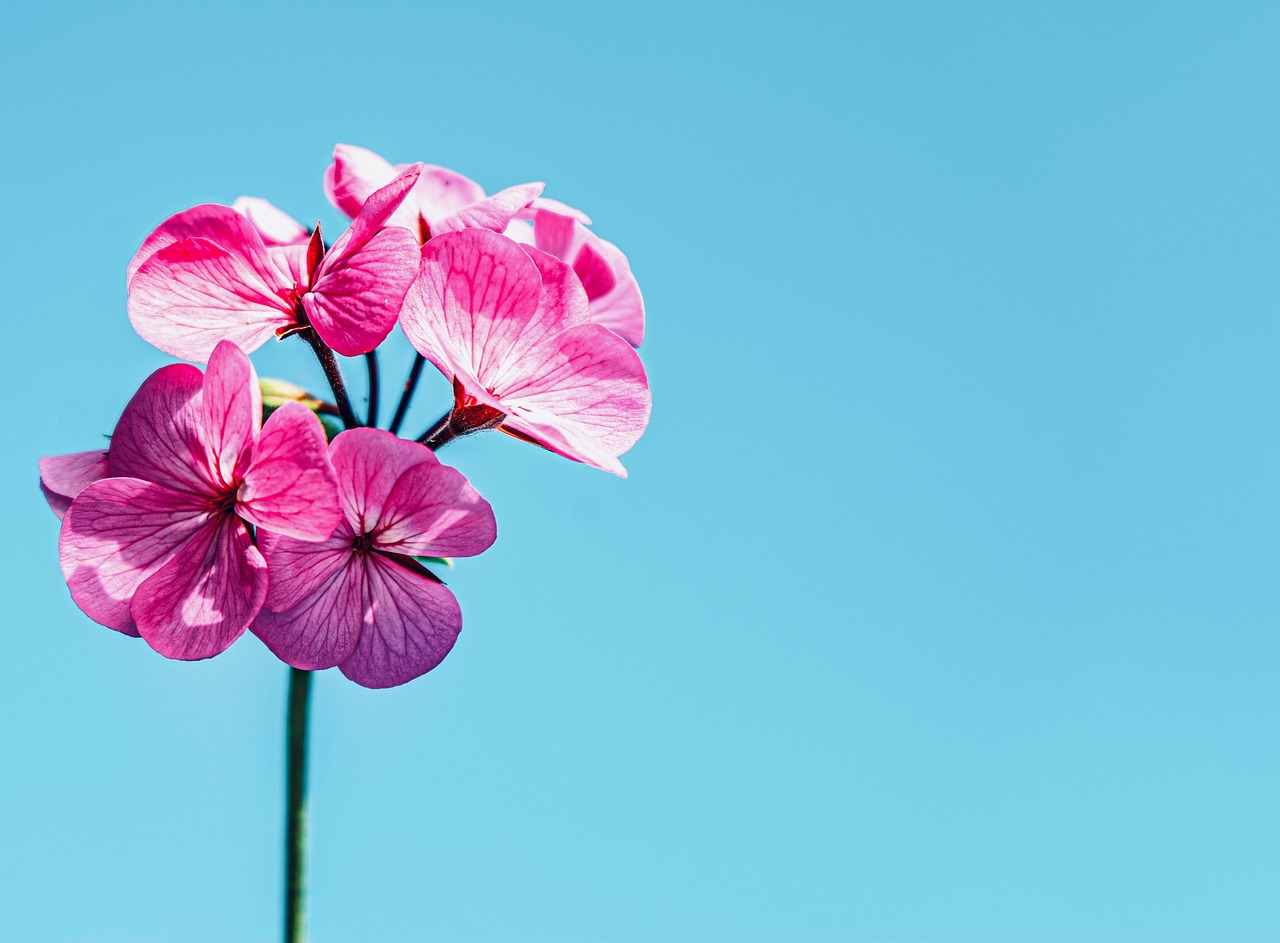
(295, 838)
(332, 373)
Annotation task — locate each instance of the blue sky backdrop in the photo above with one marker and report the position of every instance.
(942, 601)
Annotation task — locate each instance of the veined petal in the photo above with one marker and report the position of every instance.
(274, 225)
(62, 477)
(368, 463)
(354, 174)
(441, 192)
(356, 298)
(620, 308)
(158, 437)
(300, 567)
(189, 295)
(232, 408)
(205, 596)
(219, 224)
(410, 624)
(320, 629)
(376, 212)
(434, 511)
(117, 532)
(290, 485)
(492, 213)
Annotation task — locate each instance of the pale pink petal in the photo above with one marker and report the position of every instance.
(274, 225)
(621, 308)
(561, 209)
(356, 298)
(410, 624)
(319, 629)
(375, 214)
(434, 511)
(369, 462)
(62, 477)
(232, 410)
(521, 230)
(583, 394)
(158, 437)
(290, 487)
(440, 192)
(491, 213)
(290, 263)
(219, 224)
(205, 596)
(192, 294)
(117, 532)
(354, 174)
(299, 567)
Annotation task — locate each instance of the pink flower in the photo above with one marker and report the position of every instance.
(512, 328)
(360, 600)
(207, 275)
(62, 477)
(162, 548)
(274, 225)
(600, 265)
(441, 200)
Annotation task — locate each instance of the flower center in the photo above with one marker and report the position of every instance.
(362, 544)
(225, 501)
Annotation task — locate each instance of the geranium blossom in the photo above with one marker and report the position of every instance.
(274, 225)
(360, 600)
(511, 326)
(599, 264)
(441, 201)
(162, 547)
(63, 477)
(207, 274)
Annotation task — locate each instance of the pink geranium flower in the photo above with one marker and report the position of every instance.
(274, 225)
(441, 200)
(360, 600)
(62, 477)
(600, 265)
(511, 326)
(162, 547)
(207, 275)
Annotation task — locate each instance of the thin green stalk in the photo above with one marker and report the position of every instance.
(295, 838)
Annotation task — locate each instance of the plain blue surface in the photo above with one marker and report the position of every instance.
(942, 601)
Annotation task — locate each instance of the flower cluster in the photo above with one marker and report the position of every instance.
(215, 508)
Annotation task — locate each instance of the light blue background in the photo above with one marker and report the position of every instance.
(942, 601)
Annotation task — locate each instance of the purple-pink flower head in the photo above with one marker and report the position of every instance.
(360, 600)
(511, 326)
(162, 548)
(441, 201)
(214, 273)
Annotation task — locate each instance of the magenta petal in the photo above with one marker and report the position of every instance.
(300, 567)
(158, 437)
(192, 294)
(368, 463)
(117, 533)
(274, 225)
(410, 624)
(560, 209)
(232, 409)
(220, 224)
(205, 596)
(354, 174)
(492, 213)
(620, 308)
(441, 192)
(62, 477)
(434, 511)
(356, 298)
(320, 629)
(290, 486)
(377, 211)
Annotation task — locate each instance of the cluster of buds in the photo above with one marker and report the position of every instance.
(223, 503)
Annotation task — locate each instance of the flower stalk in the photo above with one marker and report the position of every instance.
(295, 843)
(332, 373)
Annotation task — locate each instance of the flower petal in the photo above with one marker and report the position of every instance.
(620, 308)
(317, 630)
(62, 477)
(434, 511)
(219, 224)
(205, 596)
(300, 567)
(232, 410)
(117, 533)
(440, 192)
(376, 213)
(491, 213)
(410, 624)
(354, 174)
(274, 225)
(158, 437)
(290, 487)
(368, 463)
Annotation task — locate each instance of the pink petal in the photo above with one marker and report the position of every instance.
(368, 463)
(434, 511)
(62, 477)
(274, 225)
(560, 209)
(441, 192)
(594, 271)
(559, 235)
(219, 224)
(583, 394)
(189, 295)
(318, 629)
(300, 567)
(376, 212)
(410, 624)
(205, 596)
(493, 213)
(620, 309)
(354, 174)
(357, 295)
(117, 533)
(290, 487)
(232, 409)
(158, 437)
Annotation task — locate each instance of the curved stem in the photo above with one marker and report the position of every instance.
(295, 835)
(440, 434)
(332, 373)
(410, 385)
(371, 361)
